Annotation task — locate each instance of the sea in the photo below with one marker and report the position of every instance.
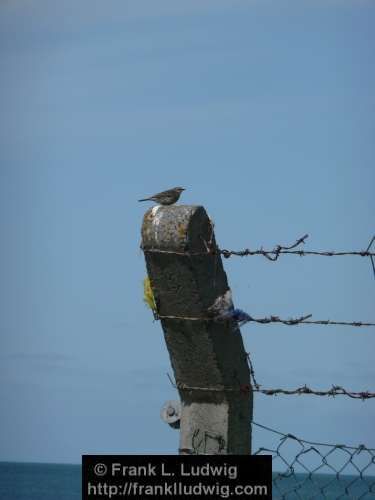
(31, 481)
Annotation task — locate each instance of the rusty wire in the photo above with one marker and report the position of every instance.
(336, 390)
(272, 255)
(246, 318)
(305, 320)
(275, 253)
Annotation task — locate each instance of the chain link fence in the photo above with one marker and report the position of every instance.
(311, 470)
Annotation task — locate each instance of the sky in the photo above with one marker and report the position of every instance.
(264, 112)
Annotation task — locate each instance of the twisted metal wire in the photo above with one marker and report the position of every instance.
(275, 253)
(305, 320)
(269, 319)
(272, 255)
(254, 386)
(336, 390)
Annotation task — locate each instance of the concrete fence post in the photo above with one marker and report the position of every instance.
(207, 355)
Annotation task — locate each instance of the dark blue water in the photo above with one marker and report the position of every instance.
(27, 481)
(323, 486)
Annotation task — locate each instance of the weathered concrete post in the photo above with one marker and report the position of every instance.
(207, 355)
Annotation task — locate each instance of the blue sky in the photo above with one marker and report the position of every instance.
(264, 111)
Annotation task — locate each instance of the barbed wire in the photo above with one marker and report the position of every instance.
(269, 254)
(272, 255)
(304, 320)
(275, 253)
(303, 477)
(336, 390)
(254, 386)
(372, 256)
(247, 388)
(242, 318)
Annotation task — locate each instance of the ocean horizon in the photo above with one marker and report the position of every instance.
(62, 481)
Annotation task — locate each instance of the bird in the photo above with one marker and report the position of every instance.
(166, 197)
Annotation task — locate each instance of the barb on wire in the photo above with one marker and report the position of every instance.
(242, 318)
(336, 390)
(275, 253)
(304, 320)
(252, 371)
(371, 254)
(269, 254)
